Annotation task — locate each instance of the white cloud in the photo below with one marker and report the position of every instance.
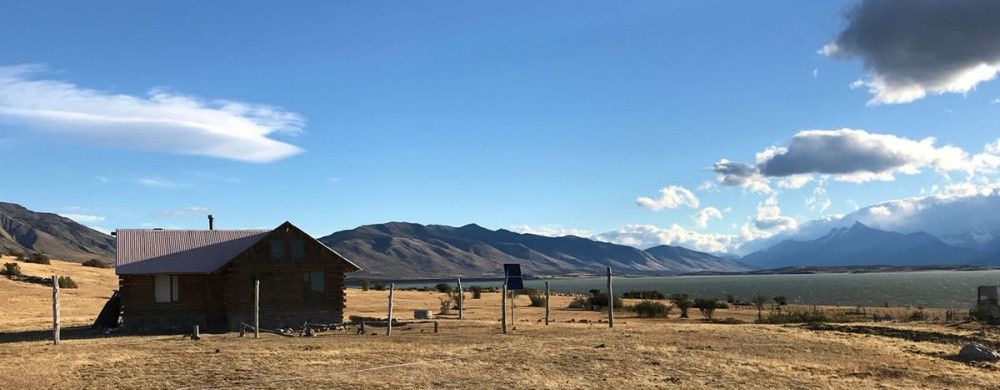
(646, 236)
(159, 121)
(702, 217)
(879, 211)
(550, 231)
(914, 48)
(184, 212)
(768, 221)
(795, 182)
(819, 201)
(160, 183)
(84, 218)
(670, 198)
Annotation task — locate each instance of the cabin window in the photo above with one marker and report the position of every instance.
(277, 250)
(313, 284)
(298, 249)
(165, 288)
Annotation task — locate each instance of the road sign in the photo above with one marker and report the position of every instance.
(512, 273)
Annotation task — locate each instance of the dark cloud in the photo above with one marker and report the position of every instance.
(915, 47)
(834, 153)
(733, 173)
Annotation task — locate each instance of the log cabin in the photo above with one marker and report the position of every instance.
(173, 279)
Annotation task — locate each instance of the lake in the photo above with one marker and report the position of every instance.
(949, 289)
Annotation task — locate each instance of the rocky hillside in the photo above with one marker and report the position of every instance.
(25, 231)
(407, 250)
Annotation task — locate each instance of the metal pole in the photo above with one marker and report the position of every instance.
(611, 302)
(256, 308)
(388, 328)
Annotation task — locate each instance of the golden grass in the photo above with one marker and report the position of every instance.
(637, 353)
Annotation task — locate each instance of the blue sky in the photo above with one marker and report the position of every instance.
(536, 116)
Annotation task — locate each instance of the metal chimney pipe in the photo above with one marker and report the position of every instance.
(211, 222)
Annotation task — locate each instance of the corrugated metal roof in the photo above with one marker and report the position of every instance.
(146, 251)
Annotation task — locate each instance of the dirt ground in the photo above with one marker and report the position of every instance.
(473, 353)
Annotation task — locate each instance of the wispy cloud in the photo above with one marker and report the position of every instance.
(160, 183)
(159, 121)
(84, 218)
(184, 212)
(550, 231)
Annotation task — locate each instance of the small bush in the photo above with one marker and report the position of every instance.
(781, 300)
(446, 305)
(917, 315)
(652, 309)
(805, 316)
(706, 307)
(67, 282)
(444, 288)
(600, 300)
(364, 283)
(652, 294)
(11, 269)
(377, 286)
(38, 258)
(95, 263)
(683, 303)
(537, 300)
(454, 296)
(579, 302)
(477, 292)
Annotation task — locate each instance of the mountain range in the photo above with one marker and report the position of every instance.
(27, 231)
(863, 245)
(408, 250)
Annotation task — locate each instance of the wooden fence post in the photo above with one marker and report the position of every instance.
(461, 299)
(513, 320)
(546, 303)
(435, 326)
(256, 308)
(503, 306)
(388, 328)
(611, 302)
(195, 334)
(55, 310)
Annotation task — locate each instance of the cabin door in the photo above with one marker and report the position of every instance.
(216, 305)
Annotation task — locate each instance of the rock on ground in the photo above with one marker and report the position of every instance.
(975, 352)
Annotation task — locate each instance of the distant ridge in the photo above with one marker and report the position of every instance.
(863, 245)
(27, 231)
(409, 250)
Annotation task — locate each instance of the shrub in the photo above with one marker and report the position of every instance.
(652, 309)
(454, 296)
(446, 305)
(579, 302)
(917, 315)
(38, 258)
(706, 307)
(95, 263)
(781, 300)
(444, 288)
(759, 301)
(537, 300)
(600, 300)
(477, 292)
(683, 303)
(652, 294)
(364, 283)
(67, 282)
(11, 269)
(806, 316)
(377, 286)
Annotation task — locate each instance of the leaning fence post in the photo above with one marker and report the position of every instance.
(256, 308)
(611, 302)
(55, 310)
(503, 307)
(546, 303)
(461, 299)
(388, 328)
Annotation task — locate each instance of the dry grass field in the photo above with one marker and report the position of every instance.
(472, 353)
